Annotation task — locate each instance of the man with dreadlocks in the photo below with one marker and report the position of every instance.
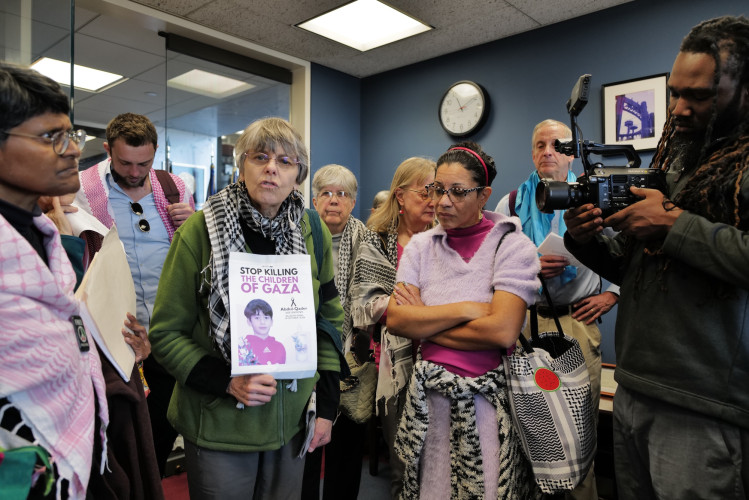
(681, 412)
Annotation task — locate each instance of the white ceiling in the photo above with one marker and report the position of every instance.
(129, 46)
(458, 24)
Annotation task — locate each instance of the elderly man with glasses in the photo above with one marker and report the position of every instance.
(148, 206)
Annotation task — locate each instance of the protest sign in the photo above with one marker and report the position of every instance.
(272, 315)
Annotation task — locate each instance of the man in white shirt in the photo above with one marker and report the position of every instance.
(574, 289)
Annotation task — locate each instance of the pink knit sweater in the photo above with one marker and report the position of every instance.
(443, 277)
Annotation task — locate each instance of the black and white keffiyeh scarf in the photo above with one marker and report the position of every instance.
(222, 218)
(467, 476)
(353, 233)
(374, 276)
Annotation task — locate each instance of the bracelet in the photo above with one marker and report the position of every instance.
(668, 205)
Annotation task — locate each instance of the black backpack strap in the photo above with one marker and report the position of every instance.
(513, 199)
(316, 228)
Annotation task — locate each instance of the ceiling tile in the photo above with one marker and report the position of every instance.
(112, 106)
(110, 29)
(458, 25)
(548, 13)
(113, 57)
(177, 7)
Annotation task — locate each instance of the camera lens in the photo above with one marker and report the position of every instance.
(557, 195)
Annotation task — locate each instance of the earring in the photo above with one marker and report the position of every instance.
(400, 211)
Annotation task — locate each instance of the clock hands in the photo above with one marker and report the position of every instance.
(466, 104)
(458, 101)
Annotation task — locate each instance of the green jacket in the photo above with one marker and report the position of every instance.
(179, 340)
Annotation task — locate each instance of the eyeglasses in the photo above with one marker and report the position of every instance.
(337, 194)
(59, 140)
(423, 194)
(262, 159)
(455, 194)
(143, 224)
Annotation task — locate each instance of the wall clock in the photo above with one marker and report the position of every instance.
(464, 108)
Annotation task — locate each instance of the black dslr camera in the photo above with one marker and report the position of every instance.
(605, 187)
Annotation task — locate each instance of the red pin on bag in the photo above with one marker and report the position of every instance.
(547, 380)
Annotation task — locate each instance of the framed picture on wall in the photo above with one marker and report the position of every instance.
(634, 111)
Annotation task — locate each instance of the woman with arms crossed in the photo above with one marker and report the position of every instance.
(463, 288)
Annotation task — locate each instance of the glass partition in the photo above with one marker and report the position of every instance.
(207, 107)
(30, 29)
(197, 127)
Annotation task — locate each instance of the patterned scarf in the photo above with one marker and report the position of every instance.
(94, 195)
(43, 372)
(374, 276)
(466, 477)
(222, 218)
(352, 235)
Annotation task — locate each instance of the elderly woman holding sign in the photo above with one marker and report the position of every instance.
(251, 452)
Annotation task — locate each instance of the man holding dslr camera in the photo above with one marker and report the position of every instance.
(681, 412)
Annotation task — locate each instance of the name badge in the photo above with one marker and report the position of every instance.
(80, 333)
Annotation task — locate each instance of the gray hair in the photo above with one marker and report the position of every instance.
(335, 175)
(548, 123)
(272, 134)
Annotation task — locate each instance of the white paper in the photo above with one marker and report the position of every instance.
(608, 384)
(284, 282)
(554, 245)
(106, 294)
(83, 221)
(310, 418)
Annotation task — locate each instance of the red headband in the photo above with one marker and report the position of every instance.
(474, 153)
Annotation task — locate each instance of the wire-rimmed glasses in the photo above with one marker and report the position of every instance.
(59, 140)
(262, 159)
(423, 193)
(338, 194)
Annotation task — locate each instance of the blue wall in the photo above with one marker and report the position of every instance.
(335, 124)
(528, 77)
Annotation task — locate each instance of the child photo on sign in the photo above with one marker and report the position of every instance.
(260, 348)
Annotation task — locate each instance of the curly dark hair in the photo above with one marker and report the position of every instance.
(470, 161)
(134, 130)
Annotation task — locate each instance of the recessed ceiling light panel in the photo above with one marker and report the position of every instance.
(208, 84)
(89, 79)
(365, 25)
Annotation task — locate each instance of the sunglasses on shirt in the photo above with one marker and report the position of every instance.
(143, 224)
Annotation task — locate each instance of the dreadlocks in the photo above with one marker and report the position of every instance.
(713, 190)
(720, 162)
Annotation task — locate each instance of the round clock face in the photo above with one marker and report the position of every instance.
(463, 108)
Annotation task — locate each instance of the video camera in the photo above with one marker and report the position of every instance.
(605, 187)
